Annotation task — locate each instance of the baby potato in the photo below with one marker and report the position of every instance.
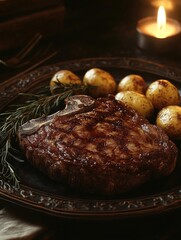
(101, 81)
(64, 77)
(169, 119)
(134, 83)
(162, 93)
(137, 101)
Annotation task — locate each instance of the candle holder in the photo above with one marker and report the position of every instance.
(150, 41)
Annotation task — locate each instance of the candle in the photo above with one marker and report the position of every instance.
(158, 33)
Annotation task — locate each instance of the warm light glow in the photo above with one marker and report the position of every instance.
(159, 27)
(167, 28)
(168, 4)
(161, 18)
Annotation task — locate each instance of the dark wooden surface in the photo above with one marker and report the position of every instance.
(97, 29)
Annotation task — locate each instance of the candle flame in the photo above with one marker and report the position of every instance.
(161, 18)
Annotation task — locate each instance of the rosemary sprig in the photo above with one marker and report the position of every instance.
(43, 103)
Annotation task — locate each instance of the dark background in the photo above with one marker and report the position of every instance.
(96, 28)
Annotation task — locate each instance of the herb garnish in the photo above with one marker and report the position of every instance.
(43, 103)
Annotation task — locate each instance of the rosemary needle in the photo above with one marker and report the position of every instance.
(35, 106)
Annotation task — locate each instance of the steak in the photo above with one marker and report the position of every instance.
(98, 146)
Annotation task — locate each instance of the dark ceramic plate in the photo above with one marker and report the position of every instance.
(38, 193)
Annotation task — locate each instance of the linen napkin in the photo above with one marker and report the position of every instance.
(13, 227)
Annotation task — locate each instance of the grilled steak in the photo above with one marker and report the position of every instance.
(98, 146)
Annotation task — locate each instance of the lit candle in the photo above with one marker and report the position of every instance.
(158, 33)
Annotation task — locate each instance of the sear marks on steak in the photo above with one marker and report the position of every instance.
(98, 146)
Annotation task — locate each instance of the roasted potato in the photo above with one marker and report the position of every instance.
(64, 77)
(162, 93)
(101, 81)
(137, 101)
(132, 82)
(169, 119)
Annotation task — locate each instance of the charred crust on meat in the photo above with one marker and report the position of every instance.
(100, 146)
(74, 104)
